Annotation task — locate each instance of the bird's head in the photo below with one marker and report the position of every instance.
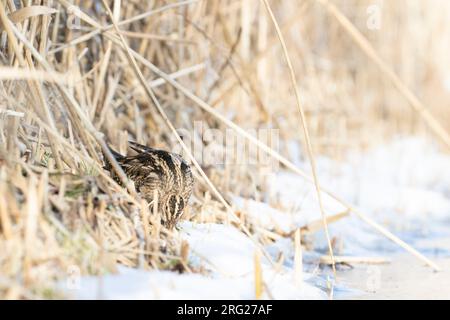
(172, 210)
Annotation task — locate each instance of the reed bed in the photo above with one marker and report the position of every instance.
(77, 75)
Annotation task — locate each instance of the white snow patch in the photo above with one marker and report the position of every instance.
(223, 250)
(266, 216)
(149, 285)
(402, 184)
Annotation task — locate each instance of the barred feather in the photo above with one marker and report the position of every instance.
(159, 170)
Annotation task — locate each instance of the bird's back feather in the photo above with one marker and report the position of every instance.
(156, 170)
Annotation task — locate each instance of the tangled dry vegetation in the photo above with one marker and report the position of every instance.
(68, 85)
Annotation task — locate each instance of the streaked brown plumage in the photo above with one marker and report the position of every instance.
(159, 170)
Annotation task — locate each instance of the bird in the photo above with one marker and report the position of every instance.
(157, 171)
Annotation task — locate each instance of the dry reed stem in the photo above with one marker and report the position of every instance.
(76, 152)
(258, 275)
(25, 127)
(70, 100)
(282, 159)
(387, 71)
(99, 29)
(34, 86)
(317, 225)
(156, 103)
(311, 158)
(298, 258)
(13, 73)
(153, 98)
(25, 13)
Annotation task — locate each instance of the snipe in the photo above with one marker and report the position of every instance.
(159, 170)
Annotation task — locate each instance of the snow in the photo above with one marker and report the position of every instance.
(141, 285)
(266, 216)
(226, 252)
(221, 247)
(404, 185)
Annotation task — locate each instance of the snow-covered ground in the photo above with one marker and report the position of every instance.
(404, 185)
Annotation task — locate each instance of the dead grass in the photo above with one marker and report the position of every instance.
(71, 80)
